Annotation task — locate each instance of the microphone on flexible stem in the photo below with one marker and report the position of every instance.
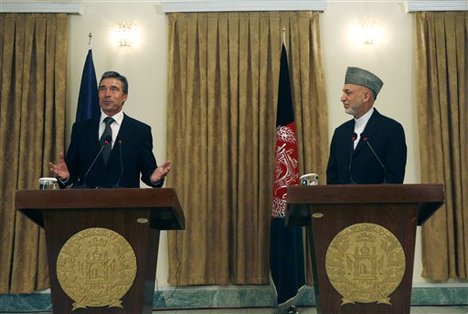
(366, 140)
(107, 141)
(121, 164)
(353, 139)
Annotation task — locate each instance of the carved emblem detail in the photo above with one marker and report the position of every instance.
(96, 267)
(365, 263)
(286, 167)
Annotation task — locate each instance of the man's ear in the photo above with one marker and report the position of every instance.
(367, 95)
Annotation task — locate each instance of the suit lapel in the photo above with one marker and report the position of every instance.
(369, 130)
(122, 136)
(371, 126)
(348, 141)
(124, 131)
(92, 138)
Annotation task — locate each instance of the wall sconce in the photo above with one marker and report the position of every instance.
(126, 34)
(370, 32)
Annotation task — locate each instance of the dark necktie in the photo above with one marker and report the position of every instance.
(106, 139)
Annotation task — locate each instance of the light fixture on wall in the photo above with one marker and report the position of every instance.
(370, 31)
(126, 33)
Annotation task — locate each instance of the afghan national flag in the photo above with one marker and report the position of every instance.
(286, 249)
(88, 101)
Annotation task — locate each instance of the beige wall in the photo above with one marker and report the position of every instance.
(145, 65)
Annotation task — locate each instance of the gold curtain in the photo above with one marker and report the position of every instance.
(33, 55)
(443, 114)
(223, 89)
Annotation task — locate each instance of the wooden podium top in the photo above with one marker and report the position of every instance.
(166, 210)
(428, 197)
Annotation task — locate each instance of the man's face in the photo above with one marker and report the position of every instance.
(355, 100)
(111, 96)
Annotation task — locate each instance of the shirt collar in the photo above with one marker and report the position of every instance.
(118, 117)
(360, 123)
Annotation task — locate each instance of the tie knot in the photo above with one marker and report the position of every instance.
(108, 120)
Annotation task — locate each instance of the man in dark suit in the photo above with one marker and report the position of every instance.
(111, 150)
(370, 148)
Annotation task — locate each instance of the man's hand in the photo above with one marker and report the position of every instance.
(60, 169)
(160, 172)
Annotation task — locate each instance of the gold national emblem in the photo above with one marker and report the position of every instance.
(365, 263)
(96, 267)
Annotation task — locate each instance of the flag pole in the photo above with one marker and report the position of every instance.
(283, 36)
(90, 36)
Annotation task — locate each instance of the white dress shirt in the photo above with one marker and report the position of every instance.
(115, 126)
(360, 125)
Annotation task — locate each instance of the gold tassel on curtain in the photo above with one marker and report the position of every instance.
(33, 54)
(223, 89)
(442, 110)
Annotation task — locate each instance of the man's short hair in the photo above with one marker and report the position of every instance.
(118, 76)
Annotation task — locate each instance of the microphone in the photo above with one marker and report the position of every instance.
(107, 141)
(121, 164)
(353, 139)
(366, 140)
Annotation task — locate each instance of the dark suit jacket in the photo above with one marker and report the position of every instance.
(386, 136)
(132, 155)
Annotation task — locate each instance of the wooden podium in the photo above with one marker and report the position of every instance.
(362, 242)
(102, 245)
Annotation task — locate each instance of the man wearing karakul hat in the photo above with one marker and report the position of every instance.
(370, 148)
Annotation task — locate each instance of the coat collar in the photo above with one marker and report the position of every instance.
(370, 129)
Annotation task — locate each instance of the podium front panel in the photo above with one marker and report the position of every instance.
(92, 269)
(352, 250)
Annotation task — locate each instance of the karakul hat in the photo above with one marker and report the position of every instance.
(364, 78)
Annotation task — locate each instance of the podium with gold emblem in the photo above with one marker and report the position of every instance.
(362, 242)
(102, 245)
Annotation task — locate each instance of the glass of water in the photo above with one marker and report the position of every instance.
(48, 183)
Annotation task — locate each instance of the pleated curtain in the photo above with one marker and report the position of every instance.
(442, 89)
(223, 89)
(33, 63)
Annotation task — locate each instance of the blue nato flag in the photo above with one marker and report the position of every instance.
(88, 101)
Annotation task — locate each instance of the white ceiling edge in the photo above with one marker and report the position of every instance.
(40, 7)
(242, 5)
(169, 6)
(436, 5)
